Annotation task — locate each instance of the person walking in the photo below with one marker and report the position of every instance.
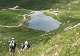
(25, 45)
(12, 46)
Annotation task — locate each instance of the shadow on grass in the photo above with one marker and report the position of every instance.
(33, 4)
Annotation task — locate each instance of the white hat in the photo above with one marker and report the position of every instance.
(12, 38)
(26, 42)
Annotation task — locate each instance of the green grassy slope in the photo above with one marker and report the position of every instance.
(7, 18)
(58, 42)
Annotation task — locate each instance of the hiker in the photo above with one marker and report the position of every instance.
(22, 46)
(25, 45)
(12, 45)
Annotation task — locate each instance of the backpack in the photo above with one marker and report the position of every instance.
(28, 45)
(12, 44)
(22, 45)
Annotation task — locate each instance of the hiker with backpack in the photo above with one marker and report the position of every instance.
(25, 45)
(12, 45)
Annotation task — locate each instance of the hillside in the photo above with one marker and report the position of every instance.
(65, 41)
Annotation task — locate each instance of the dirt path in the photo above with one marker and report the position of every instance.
(69, 28)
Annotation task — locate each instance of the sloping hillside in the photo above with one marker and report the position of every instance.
(64, 41)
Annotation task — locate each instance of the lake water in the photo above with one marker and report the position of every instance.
(42, 22)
